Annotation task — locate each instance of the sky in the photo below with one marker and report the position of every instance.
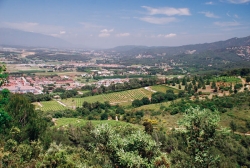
(110, 23)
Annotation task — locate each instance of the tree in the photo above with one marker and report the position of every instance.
(4, 120)
(199, 85)
(87, 105)
(56, 156)
(248, 79)
(213, 85)
(107, 104)
(203, 86)
(3, 75)
(145, 100)
(195, 88)
(170, 95)
(4, 98)
(158, 97)
(148, 127)
(200, 134)
(134, 149)
(104, 116)
(248, 124)
(207, 82)
(184, 81)
(120, 110)
(186, 87)
(193, 81)
(181, 94)
(238, 86)
(137, 103)
(23, 114)
(233, 126)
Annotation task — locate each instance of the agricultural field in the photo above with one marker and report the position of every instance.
(165, 121)
(156, 107)
(128, 95)
(153, 107)
(64, 122)
(77, 102)
(164, 88)
(113, 98)
(123, 98)
(238, 115)
(70, 73)
(50, 106)
(85, 80)
(229, 79)
(22, 68)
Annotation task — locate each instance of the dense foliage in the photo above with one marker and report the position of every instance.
(197, 144)
(31, 138)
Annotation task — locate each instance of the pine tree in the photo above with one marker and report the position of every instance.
(213, 85)
(184, 81)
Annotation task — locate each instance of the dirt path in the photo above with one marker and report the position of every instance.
(113, 103)
(24, 54)
(61, 103)
(54, 120)
(239, 133)
(39, 104)
(149, 89)
(243, 83)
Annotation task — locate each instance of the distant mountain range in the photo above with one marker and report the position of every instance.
(233, 42)
(15, 37)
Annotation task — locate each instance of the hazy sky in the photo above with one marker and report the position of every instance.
(109, 23)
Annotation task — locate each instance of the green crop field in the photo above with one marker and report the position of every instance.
(226, 79)
(77, 102)
(113, 98)
(163, 88)
(238, 115)
(128, 95)
(153, 107)
(51, 106)
(64, 122)
(122, 98)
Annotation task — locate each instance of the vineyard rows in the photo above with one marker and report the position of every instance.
(51, 106)
(116, 97)
(113, 98)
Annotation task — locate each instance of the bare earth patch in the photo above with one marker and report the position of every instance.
(24, 54)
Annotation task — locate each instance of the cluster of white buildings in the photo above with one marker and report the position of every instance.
(21, 85)
(35, 84)
(107, 82)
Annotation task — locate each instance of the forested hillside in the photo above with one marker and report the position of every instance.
(32, 138)
(135, 50)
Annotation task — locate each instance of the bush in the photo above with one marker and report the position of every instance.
(104, 116)
(137, 103)
(174, 111)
